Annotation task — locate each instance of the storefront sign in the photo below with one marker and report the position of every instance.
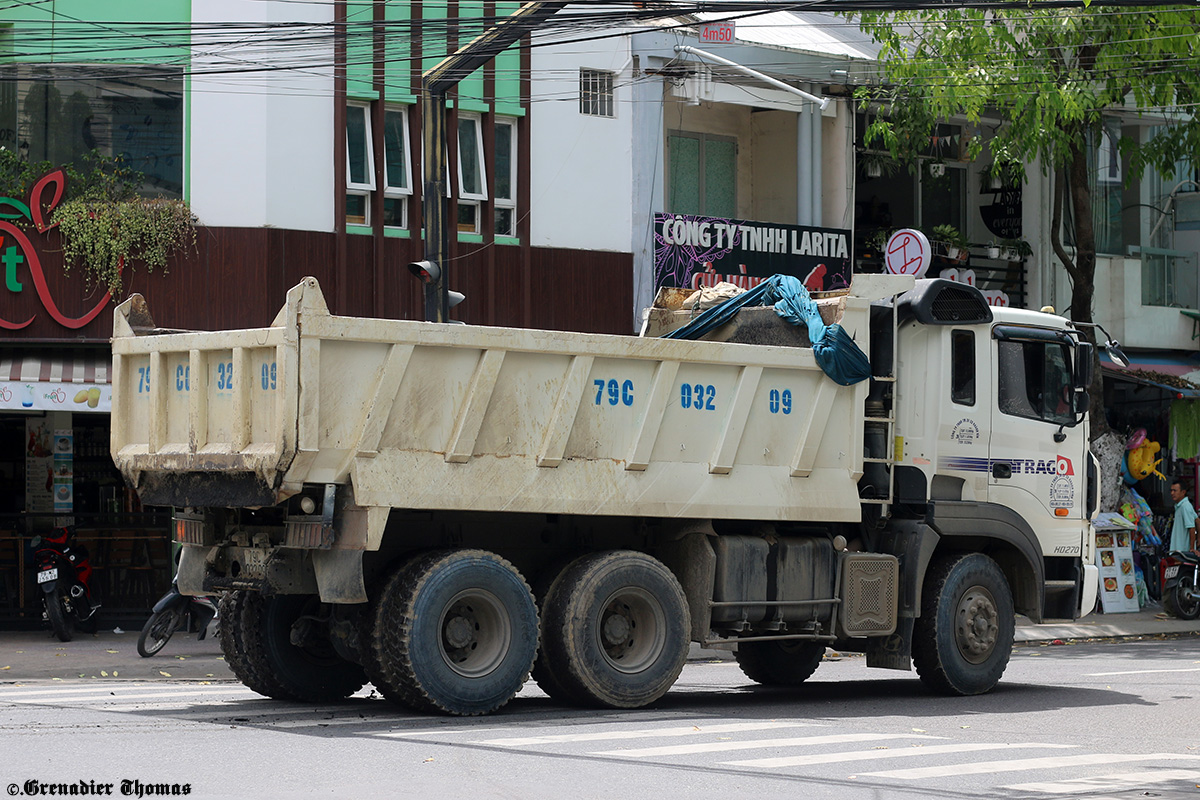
(1114, 557)
(907, 252)
(994, 297)
(1003, 216)
(19, 259)
(35, 396)
(693, 251)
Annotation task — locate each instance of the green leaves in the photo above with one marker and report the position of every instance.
(103, 236)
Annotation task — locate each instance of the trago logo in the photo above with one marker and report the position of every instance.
(1062, 466)
(23, 251)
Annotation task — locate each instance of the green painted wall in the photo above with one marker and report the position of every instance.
(124, 31)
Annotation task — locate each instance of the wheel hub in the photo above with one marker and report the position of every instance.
(632, 630)
(476, 633)
(618, 627)
(977, 625)
(459, 632)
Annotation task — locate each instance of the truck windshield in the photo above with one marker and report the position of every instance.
(1035, 381)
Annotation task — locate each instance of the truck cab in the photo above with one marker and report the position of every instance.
(994, 441)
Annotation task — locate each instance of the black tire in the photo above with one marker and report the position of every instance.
(61, 622)
(616, 629)
(788, 662)
(314, 673)
(233, 645)
(158, 630)
(964, 637)
(1176, 600)
(455, 632)
(543, 674)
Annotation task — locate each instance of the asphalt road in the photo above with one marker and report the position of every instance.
(1089, 720)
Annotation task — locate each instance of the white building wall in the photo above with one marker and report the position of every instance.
(581, 166)
(260, 143)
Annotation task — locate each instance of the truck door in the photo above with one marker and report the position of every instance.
(1038, 444)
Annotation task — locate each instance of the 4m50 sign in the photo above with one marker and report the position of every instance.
(20, 260)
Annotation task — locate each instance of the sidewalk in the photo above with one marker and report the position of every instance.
(107, 655)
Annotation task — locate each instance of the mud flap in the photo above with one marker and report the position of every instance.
(895, 651)
(340, 576)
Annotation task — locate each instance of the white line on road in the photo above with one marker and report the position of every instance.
(98, 688)
(691, 730)
(1122, 781)
(803, 741)
(987, 767)
(1137, 672)
(913, 751)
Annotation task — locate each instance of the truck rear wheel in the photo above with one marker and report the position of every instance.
(788, 662)
(234, 648)
(616, 629)
(455, 632)
(543, 674)
(964, 636)
(310, 670)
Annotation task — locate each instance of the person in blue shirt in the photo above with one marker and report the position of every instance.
(1183, 529)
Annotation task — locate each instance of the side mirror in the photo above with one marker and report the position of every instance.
(1085, 354)
(1083, 403)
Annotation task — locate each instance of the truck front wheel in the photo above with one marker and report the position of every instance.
(455, 632)
(789, 662)
(616, 629)
(964, 636)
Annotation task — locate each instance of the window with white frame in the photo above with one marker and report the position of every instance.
(360, 165)
(506, 177)
(397, 165)
(596, 93)
(472, 188)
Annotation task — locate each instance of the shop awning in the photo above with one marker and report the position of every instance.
(1157, 368)
(59, 380)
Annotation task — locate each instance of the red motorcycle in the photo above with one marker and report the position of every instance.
(63, 575)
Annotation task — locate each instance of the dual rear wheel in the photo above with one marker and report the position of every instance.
(457, 632)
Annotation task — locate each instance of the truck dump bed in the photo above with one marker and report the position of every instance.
(422, 415)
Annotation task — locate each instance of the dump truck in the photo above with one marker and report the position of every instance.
(443, 509)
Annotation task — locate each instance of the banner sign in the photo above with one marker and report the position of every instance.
(694, 251)
(41, 396)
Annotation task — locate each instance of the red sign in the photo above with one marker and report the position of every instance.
(717, 32)
(22, 251)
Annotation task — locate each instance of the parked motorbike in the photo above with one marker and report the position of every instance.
(1180, 584)
(171, 612)
(64, 575)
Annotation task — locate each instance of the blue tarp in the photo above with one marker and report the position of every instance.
(837, 354)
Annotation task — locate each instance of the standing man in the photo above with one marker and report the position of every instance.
(1183, 529)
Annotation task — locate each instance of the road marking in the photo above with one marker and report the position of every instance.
(913, 751)
(1137, 672)
(117, 688)
(1122, 781)
(691, 730)
(986, 767)
(716, 747)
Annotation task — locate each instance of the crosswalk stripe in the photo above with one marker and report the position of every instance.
(691, 730)
(985, 767)
(1128, 779)
(717, 747)
(913, 751)
(116, 688)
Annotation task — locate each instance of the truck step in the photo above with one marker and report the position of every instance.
(888, 420)
(871, 460)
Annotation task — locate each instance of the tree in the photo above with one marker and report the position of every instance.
(1051, 75)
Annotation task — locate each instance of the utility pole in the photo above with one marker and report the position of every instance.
(436, 83)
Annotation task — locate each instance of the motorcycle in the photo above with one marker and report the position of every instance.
(1181, 584)
(170, 613)
(64, 575)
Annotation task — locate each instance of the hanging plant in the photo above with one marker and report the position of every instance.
(103, 236)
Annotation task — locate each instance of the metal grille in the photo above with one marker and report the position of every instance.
(595, 93)
(314, 533)
(190, 531)
(870, 585)
(957, 305)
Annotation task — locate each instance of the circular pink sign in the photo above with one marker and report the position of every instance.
(907, 252)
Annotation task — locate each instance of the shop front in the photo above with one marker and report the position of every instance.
(54, 458)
